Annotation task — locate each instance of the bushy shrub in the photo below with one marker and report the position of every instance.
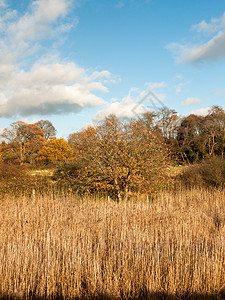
(16, 180)
(66, 175)
(210, 172)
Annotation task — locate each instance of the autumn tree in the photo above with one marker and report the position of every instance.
(200, 137)
(55, 150)
(120, 158)
(81, 141)
(48, 129)
(22, 142)
(1, 156)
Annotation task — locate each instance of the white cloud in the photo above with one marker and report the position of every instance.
(2, 3)
(50, 89)
(5, 18)
(99, 75)
(127, 108)
(211, 50)
(36, 24)
(201, 111)
(52, 74)
(47, 86)
(3, 99)
(214, 26)
(190, 101)
(135, 103)
(25, 120)
(44, 19)
(179, 87)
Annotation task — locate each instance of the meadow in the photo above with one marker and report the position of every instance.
(63, 246)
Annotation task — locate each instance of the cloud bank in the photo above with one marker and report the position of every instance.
(210, 50)
(48, 86)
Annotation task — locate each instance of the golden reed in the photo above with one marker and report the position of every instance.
(69, 247)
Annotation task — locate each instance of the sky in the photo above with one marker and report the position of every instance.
(73, 62)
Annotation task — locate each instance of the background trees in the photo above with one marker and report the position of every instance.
(22, 142)
(48, 129)
(118, 157)
(201, 137)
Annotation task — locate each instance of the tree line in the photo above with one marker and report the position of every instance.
(118, 157)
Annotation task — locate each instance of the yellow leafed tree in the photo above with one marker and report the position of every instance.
(55, 150)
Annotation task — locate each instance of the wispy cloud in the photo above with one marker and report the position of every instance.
(210, 50)
(180, 86)
(156, 85)
(218, 92)
(201, 111)
(122, 3)
(191, 101)
(212, 27)
(50, 85)
(158, 88)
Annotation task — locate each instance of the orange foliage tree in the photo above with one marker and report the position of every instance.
(120, 158)
(1, 159)
(81, 141)
(55, 150)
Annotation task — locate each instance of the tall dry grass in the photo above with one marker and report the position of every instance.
(78, 248)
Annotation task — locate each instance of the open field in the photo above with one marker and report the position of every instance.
(68, 247)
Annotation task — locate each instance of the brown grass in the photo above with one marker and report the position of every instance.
(78, 248)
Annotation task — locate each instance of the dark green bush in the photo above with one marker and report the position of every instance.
(209, 173)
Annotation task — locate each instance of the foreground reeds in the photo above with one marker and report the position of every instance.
(78, 248)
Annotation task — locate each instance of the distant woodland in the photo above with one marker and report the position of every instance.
(119, 157)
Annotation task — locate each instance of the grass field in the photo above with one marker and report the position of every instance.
(72, 248)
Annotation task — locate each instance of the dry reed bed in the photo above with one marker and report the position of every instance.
(69, 247)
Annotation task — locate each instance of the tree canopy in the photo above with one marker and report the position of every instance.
(120, 157)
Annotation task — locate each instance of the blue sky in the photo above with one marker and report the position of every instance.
(75, 61)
